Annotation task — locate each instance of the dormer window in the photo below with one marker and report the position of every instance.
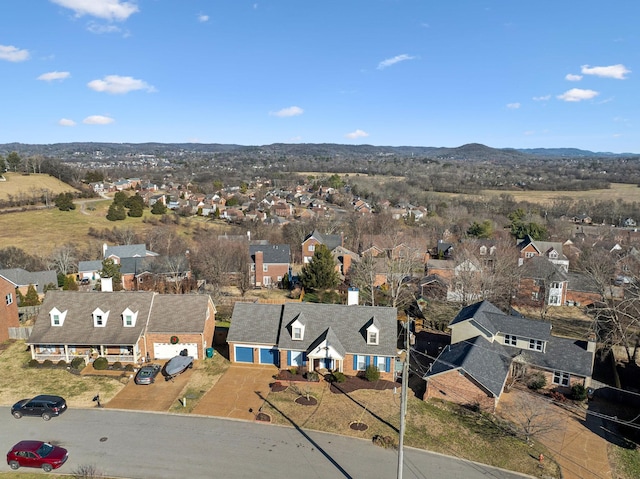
(129, 318)
(373, 334)
(100, 318)
(553, 254)
(297, 330)
(483, 250)
(57, 317)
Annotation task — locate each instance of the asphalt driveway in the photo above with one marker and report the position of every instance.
(235, 395)
(159, 396)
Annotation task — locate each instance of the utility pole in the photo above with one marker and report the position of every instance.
(403, 397)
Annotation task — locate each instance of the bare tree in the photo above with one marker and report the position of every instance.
(64, 259)
(363, 275)
(404, 261)
(531, 416)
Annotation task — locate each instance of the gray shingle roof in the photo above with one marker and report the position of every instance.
(89, 266)
(128, 251)
(563, 354)
(165, 314)
(581, 282)
(271, 324)
(22, 277)
(271, 253)
(486, 362)
(330, 241)
(539, 267)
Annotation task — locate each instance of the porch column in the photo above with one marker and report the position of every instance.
(33, 351)
(66, 353)
(102, 350)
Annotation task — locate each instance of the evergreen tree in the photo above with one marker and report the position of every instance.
(135, 204)
(116, 212)
(70, 284)
(13, 161)
(158, 208)
(31, 298)
(111, 269)
(64, 202)
(320, 272)
(120, 198)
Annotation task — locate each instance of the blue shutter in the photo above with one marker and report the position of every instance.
(355, 362)
(387, 365)
(367, 361)
(375, 360)
(304, 358)
(289, 358)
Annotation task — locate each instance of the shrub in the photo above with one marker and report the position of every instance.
(371, 373)
(77, 363)
(33, 363)
(558, 396)
(293, 370)
(47, 363)
(62, 363)
(128, 367)
(312, 376)
(579, 392)
(338, 377)
(384, 441)
(117, 365)
(536, 381)
(101, 363)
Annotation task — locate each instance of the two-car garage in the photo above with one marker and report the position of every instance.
(244, 354)
(168, 350)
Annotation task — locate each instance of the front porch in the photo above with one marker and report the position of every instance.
(56, 353)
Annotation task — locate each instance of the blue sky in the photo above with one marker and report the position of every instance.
(505, 73)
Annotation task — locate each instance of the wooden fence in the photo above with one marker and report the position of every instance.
(20, 333)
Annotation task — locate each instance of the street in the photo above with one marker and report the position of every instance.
(154, 446)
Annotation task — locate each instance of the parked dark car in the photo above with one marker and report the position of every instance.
(147, 374)
(36, 454)
(45, 406)
(177, 365)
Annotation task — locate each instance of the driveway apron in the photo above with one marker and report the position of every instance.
(581, 453)
(238, 392)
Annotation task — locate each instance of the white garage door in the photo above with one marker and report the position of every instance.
(168, 350)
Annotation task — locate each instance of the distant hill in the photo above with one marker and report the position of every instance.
(472, 151)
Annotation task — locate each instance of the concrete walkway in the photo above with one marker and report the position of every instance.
(581, 453)
(237, 393)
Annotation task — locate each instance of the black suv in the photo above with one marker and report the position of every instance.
(45, 406)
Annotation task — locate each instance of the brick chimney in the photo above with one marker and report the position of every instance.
(259, 263)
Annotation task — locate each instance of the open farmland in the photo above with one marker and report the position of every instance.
(17, 184)
(618, 191)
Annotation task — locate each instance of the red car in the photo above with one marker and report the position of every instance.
(36, 454)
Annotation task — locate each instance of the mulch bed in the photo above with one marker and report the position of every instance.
(277, 387)
(306, 401)
(261, 416)
(358, 426)
(353, 383)
(285, 375)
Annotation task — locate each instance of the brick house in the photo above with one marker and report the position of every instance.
(121, 326)
(552, 251)
(270, 263)
(311, 241)
(21, 279)
(487, 346)
(8, 309)
(334, 337)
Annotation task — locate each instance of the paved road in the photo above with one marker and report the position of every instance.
(157, 446)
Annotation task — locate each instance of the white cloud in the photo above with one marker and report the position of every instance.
(54, 76)
(286, 112)
(356, 134)
(614, 71)
(513, 106)
(529, 132)
(578, 94)
(67, 122)
(13, 54)
(203, 18)
(542, 98)
(572, 77)
(392, 61)
(117, 85)
(107, 9)
(99, 29)
(97, 120)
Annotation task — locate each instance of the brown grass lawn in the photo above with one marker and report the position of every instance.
(19, 382)
(435, 426)
(17, 184)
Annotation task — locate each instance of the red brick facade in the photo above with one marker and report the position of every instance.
(459, 388)
(8, 312)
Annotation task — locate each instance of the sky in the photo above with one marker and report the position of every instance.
(442, 73)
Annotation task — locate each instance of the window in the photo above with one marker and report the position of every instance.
(555, 285)
(9, 299)
(56, 320)
(297, 333)
(372, 337)
(510, 339)
(560, 378)
(534, 295)
(128, 320)
(554, 300)
(361, 363)
(535, 344)
(529, 254)
(381, 363)
(553, 254)
(253, 267)
(265, 268)
(99, 320)
(483, 250)
(312, 247)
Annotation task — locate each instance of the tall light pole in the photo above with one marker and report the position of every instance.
(403, 397)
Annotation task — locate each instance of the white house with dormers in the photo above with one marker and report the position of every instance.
(123, 326)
